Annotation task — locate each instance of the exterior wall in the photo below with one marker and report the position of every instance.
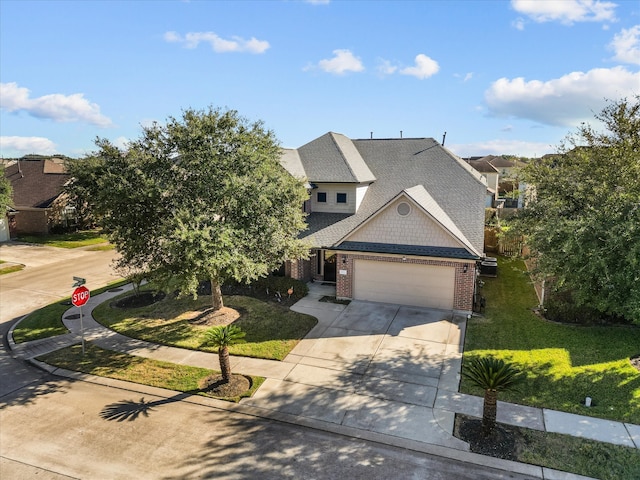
(464, 283)
(298, 269)
(331, 205)
(34, 221)
(4, 229)
(360, 193)
(413, 229)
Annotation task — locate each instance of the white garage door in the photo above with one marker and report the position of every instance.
(404, 283)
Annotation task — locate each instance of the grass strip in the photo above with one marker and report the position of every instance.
(67, 240)
(11, 269)
(563, 363)
(121, 366)
(272, 330)
(47, 321)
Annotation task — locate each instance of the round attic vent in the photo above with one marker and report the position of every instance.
(403, 209)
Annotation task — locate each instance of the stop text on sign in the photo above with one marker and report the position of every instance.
(80, 296)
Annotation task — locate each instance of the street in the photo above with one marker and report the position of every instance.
(53, 427)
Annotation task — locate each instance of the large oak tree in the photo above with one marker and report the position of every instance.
(201, 197)
(582, 219)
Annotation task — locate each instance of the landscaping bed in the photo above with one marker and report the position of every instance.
(552, 450)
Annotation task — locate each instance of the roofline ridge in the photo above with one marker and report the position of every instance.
(344, 157)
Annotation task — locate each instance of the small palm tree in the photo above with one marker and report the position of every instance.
(223, 338)
(493, 375)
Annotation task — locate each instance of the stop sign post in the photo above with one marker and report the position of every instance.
(79, 297)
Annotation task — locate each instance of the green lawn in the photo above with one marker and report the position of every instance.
(47, 321)
(271, 329)
(67, 240)
(130, 368)
(563, 363)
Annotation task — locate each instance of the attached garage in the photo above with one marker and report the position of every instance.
(404, 283)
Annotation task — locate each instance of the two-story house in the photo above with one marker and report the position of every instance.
(390, 220)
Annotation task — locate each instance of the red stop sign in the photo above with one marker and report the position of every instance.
(80, 296)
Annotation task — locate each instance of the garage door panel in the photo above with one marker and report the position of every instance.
(404, 283)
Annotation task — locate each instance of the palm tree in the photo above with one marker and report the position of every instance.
(223, 338)
(493, 375)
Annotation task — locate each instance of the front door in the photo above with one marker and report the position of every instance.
(329, 267)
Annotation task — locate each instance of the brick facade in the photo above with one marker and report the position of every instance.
(298, 269)
(464, 281)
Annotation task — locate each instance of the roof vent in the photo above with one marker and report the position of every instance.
(403, 209)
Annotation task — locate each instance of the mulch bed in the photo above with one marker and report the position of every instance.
(503, 443)
(237, 385)
(221, 317)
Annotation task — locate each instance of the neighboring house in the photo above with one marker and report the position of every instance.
(38, 198)
(390, 220)
(508, 181)
(491, 175)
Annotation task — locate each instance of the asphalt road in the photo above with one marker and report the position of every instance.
(55, 428)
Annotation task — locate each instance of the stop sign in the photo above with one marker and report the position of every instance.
(80, 296)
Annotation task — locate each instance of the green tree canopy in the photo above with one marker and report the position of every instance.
(6, 192)
(202, 197)
(582, 219)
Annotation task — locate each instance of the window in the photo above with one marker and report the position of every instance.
(341, 198)
(322, 197)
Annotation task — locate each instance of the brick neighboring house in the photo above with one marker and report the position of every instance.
(390, 220)
(38, 198)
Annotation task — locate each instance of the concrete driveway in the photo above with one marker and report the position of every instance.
(373, 366)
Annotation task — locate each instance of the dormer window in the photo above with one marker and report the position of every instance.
(322, 197)
(341, 198)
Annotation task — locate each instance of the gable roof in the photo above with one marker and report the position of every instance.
(419, 195)
(36, 182)
(483, 166)
(333, 158)
(397, 165)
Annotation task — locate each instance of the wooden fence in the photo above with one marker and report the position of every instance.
(507, 245)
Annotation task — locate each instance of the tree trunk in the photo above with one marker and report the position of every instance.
(216, 294)
(225, 365)
(489, 411)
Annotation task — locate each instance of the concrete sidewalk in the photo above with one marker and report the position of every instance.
(345, 377)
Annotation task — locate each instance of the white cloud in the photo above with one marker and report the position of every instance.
(518, 23)
(342, 62)
(465, 78)
(565, 11)
(218, 44)
(122, 143)
(425, 67)
(564, 101)
(24, 145)
(319, 2)
(502, 147)
(626, 45)
(57, 107)
(385, 67)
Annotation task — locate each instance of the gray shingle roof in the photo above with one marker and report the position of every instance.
(333, 158)
(397, 165)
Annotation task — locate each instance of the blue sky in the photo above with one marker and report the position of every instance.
(500, 77)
